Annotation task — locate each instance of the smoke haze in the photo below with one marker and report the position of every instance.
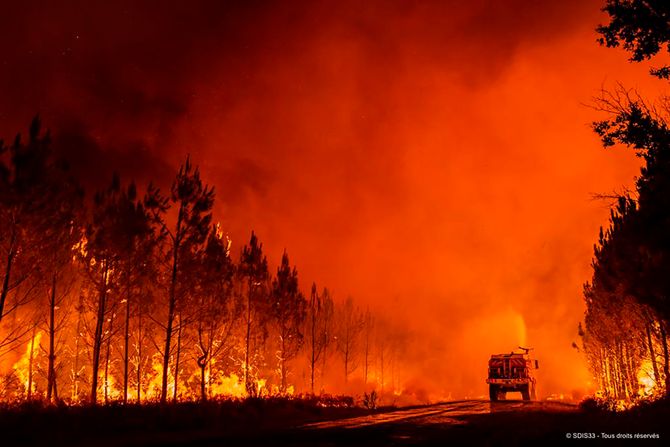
(433, 160)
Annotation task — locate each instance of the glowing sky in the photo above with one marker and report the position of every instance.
(432, 159)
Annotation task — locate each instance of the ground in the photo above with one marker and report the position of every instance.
(284, 423)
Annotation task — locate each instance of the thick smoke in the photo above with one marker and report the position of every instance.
(431, 159)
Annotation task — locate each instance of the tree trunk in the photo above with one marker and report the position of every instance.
(171, 305)
(652, 354)
(666, 366)
(176, 365)
(247, 385)
(210, 377)
(30, 366)
(168, 335)
(602, 377)
(139, 353)
(8, 271)
(51, 371)
(282, 364)
(126, 338)
(109, 345)
(324, 359)
(75, 372)
(623, 393)
(97, 340)
(202, 363)
(631, 379)
(313, 358)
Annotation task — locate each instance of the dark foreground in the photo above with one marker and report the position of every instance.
(285, 423)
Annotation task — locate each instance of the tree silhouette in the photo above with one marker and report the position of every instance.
(100, 255)
(327, 329)
(218, 306)
(349, 327)
(59, 230)
(253, 272)
(641, 27)
(315, 330)
(288, 314)
(137, 243)
(23, 194)
(81, 282)
(628, 297)
(193, 202)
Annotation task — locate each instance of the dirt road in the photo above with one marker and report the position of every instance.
(443, 413)
(476, 421)
(472, 422)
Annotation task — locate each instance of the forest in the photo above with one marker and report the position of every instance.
(134, 294)
(627, 321)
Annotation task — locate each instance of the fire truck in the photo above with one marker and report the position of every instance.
(512, 372)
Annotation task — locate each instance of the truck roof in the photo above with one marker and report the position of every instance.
(510, 355)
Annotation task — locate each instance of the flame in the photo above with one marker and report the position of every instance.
(230, 386)
(114, 392)
(219, 384)
(646, 379)
(80, 247)
(153, 388)
(22, 366)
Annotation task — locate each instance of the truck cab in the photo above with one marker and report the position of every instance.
(512, 372)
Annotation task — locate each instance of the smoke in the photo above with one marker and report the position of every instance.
(432, 159)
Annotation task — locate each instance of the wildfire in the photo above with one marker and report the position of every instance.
(228, 386)
(646, 379)
(23, 368)
(218, 384)
(112, 290)
(80, 247)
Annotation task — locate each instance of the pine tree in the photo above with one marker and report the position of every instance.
(218, 306)
(288, 314)
(99, 254)
(253, 274)
(350, 325)
(24, 195)
(193, 202)
(314, 331)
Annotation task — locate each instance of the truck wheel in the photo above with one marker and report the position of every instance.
(525, 393)
(493, 393)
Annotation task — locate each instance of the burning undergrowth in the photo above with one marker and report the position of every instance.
(142, 298)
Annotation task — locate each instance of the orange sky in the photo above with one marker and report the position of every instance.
(431, 159)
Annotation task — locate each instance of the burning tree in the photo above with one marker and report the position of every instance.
(288, 314)
(368, 329)
(253, 274)
(136, 263)
(193, 202)
(317, 329)
(328, 330)
(99, 255)
(628, 299)
(24, 193)
(82, 282)
(218, 306)
(60, 231)
(627, 308)
(349, 327)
